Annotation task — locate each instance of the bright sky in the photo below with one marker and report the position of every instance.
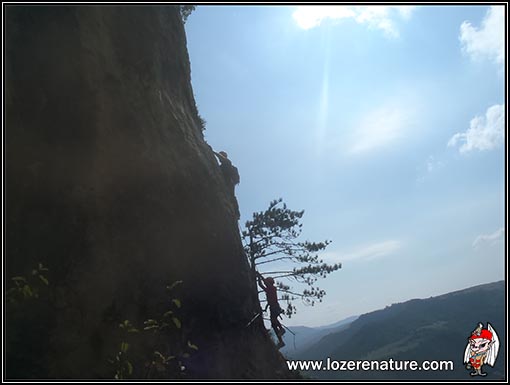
(385, 124)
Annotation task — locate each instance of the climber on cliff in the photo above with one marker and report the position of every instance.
(231, 176)
(267, 284)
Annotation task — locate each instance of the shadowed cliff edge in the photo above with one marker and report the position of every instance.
(109, 183)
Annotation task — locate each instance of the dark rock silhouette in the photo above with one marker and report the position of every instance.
(109, 183)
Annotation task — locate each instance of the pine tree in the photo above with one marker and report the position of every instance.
(271, 238)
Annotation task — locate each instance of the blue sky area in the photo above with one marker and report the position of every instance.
(385, 124)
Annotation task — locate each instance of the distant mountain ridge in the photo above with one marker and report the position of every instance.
(435, 328)
(337, 324)
(305, 336)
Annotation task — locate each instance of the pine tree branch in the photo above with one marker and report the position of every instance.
(294, 293)
(271, 273)
(275, 259)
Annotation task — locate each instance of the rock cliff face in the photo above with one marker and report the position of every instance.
(109, 183)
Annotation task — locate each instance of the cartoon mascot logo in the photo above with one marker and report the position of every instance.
(482, 349)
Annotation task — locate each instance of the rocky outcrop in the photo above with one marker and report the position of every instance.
(109, 183)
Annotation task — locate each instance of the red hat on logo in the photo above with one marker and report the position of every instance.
(484, 333)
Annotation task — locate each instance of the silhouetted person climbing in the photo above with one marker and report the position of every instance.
(267, 284)
(231, 176)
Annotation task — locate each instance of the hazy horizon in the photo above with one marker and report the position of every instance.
(410, 299)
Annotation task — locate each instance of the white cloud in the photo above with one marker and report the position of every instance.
(308, 17)
(433, 164)
(405, 11)
(379, 128)
(487, 41)
(366, 253)
(376, 16)
(484, 133)
(490, 239)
